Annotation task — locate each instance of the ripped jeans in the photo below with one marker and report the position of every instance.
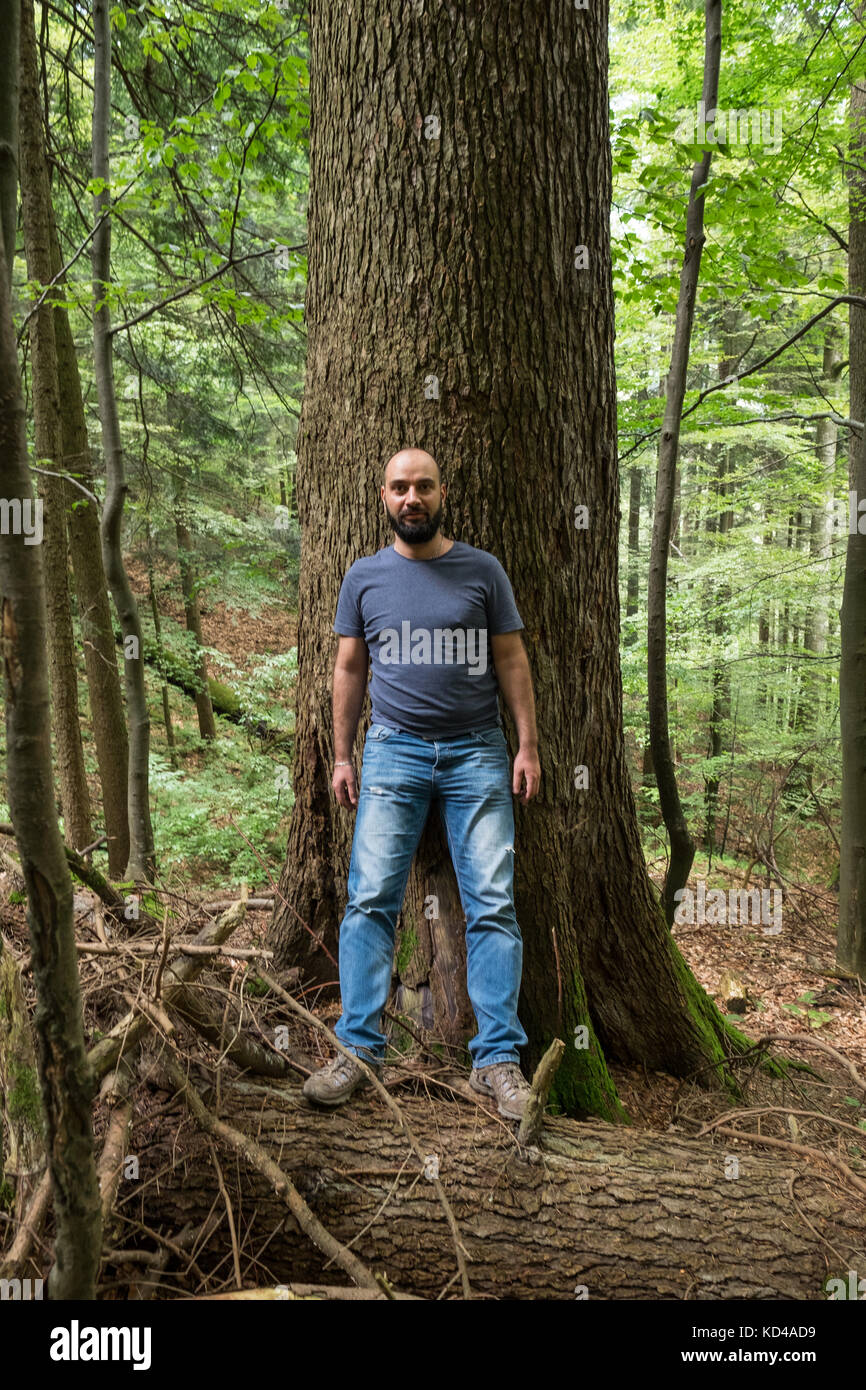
(470, 777)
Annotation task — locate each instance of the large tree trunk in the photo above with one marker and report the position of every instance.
(141, 864)
(91, 590)
(424, 264)
(851, 942)
(63, 1073)
(627, 1214)
(682, 844)
(74, 793)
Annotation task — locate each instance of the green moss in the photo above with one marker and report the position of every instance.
(223, 697)
(22, 1099)
(406, 946)
(7, 1195)
(253, 985)
(583, 1085)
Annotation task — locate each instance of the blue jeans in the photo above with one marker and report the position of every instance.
(470, 778)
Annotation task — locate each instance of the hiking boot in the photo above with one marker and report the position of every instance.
(507, 1084)
(335, 1082)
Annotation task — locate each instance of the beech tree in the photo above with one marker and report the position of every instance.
(851, 949)
(682, 844)
(460, 300)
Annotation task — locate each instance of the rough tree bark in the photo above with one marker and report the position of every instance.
(141, 864)
(48, 435)
(629, 1214)
(64, 1076)
(851, 940)
(444, 311)
(9, 134)
(91, 590)
(682, 844)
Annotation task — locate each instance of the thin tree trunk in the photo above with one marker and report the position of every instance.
(411, 341)
(851, 941)
(185, 558)
(719, 522)
(820, 544)
(65, 1079)
(9, 78)
(682, 844)
(91, 590)
(157, 634)
(63, 663)
(141, 864)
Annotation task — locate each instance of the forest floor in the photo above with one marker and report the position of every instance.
(765, 984)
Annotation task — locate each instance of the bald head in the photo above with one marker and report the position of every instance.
(414, 462)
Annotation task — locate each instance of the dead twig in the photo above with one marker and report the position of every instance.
(244, 1051)
(824, 1047)
(236, 1254)
(533, 1114)
(133, 1026)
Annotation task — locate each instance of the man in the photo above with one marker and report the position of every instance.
(438, 618)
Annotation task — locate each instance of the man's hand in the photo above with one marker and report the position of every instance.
(345, 788)
(526, 774)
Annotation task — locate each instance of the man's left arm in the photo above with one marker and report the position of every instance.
(515, 680)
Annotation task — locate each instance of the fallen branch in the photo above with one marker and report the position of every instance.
(178, 948)
(243, 1050)
(824, 1047)
(229, 902)
(774, 1110)
(28, 1231)
(92, 879)
(283, 1186)
(115, 1093)
(395, 1109)
(132, 1027)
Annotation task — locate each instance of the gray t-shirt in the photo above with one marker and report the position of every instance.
(428, 624)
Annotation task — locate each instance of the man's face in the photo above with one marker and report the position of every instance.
(413, 499)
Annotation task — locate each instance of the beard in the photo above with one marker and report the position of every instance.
(416, 530)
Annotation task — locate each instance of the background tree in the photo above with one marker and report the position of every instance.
(852, 676)
(63, 1073)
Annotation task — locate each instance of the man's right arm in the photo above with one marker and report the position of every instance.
(350, 685)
